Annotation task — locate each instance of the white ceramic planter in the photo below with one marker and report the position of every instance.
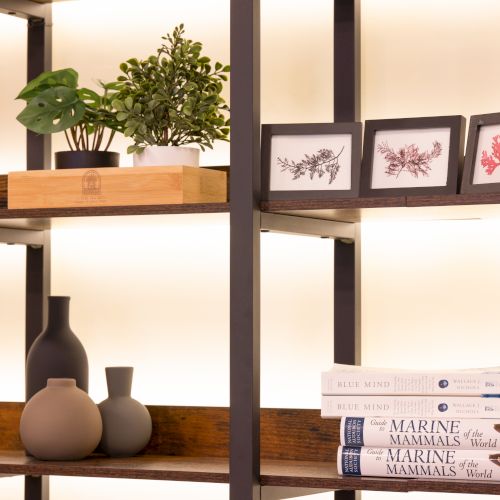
(160, 156)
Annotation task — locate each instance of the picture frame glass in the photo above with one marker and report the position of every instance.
(316, 162)
(487, 158)
(410, 158)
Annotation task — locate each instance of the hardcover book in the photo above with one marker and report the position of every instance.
(347, 379)
(410, 406)
(466, 434)
(474, 465)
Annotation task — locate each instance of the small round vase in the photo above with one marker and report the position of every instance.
(126, 422)
(60, 422)
(56, 352)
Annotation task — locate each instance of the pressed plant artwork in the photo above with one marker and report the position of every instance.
(491, 161)
(324, 161)
(409, 159)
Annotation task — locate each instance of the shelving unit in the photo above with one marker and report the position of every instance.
(261, 453)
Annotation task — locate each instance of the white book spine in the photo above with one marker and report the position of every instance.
(371, 381)
(464, 434)
(473, 465)
(410, 406)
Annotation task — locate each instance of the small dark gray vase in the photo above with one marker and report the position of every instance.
(126, 423)
(56, 352)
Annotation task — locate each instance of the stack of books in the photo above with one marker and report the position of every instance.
(415, 424)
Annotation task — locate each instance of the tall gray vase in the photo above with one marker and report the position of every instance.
(56, 352)
(126, 423)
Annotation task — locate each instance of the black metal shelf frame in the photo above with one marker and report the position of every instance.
(246, 223)
(245, 233)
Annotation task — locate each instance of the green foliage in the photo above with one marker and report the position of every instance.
(54, 103)
(173, 97)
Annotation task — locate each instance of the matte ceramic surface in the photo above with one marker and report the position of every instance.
(160, 156)
(126, 422)
(56, 352)
(60, 422)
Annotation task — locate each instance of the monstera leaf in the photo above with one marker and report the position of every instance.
(54, 110)
(49, 79)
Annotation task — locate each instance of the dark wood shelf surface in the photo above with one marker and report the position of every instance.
(460, 206)
(200, 469)
(321, 475)
(457, 206)
(39, 218)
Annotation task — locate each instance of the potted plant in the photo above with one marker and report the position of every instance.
(54, 103)
(172, 99)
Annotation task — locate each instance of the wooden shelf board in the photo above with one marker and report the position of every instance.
(200, 469)
(460, 206)
(324, 475)
(40, 218)
(321, 475)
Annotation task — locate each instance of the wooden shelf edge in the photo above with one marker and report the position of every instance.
(323, 475)
(196, 469)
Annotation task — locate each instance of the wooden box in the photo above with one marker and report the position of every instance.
(115, 186)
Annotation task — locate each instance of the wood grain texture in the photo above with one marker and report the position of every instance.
(204, 432)
(289, 473)
(191, 444)
(3, 191)
(115, 186)
(204, 469)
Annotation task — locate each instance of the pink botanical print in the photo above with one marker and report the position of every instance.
(409, 159)
(491, 162)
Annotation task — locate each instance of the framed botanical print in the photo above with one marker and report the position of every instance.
(412, 156)
(311, 161)
(482, 158)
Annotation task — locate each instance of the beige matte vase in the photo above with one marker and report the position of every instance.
(60, 422)
(126, 422)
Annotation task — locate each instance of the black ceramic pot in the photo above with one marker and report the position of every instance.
(86, 159)
(56, 352)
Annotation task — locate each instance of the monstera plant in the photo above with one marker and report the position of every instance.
(54, 103)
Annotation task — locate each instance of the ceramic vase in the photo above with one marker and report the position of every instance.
(60, 422)
(126, 422)
(56, 352)
(160, 156)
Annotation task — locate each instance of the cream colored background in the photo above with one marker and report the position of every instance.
(153, 292)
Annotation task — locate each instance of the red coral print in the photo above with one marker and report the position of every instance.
(409, 159)
(491, 162)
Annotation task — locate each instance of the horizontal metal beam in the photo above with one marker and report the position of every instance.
(283, 492)
(306, 226)
(22, 237)
(23, 8)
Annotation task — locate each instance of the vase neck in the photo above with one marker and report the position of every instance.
(58, 312)
(119, 380)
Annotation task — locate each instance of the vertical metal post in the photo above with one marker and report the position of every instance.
(346, 62)
(347, 312)
(346, 335)
(38, 258)
(245, 251)
(346, 108)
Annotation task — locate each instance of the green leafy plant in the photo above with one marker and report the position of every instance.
(172, 98)
(54, 103)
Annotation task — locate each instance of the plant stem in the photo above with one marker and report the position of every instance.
(111, 135)
(165, 136)
(68, 141)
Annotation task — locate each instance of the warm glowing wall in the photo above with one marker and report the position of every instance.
(154, 292)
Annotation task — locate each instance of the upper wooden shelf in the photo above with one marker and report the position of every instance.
(40, 218)
(458, 206)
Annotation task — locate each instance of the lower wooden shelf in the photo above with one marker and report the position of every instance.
(289, 473)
